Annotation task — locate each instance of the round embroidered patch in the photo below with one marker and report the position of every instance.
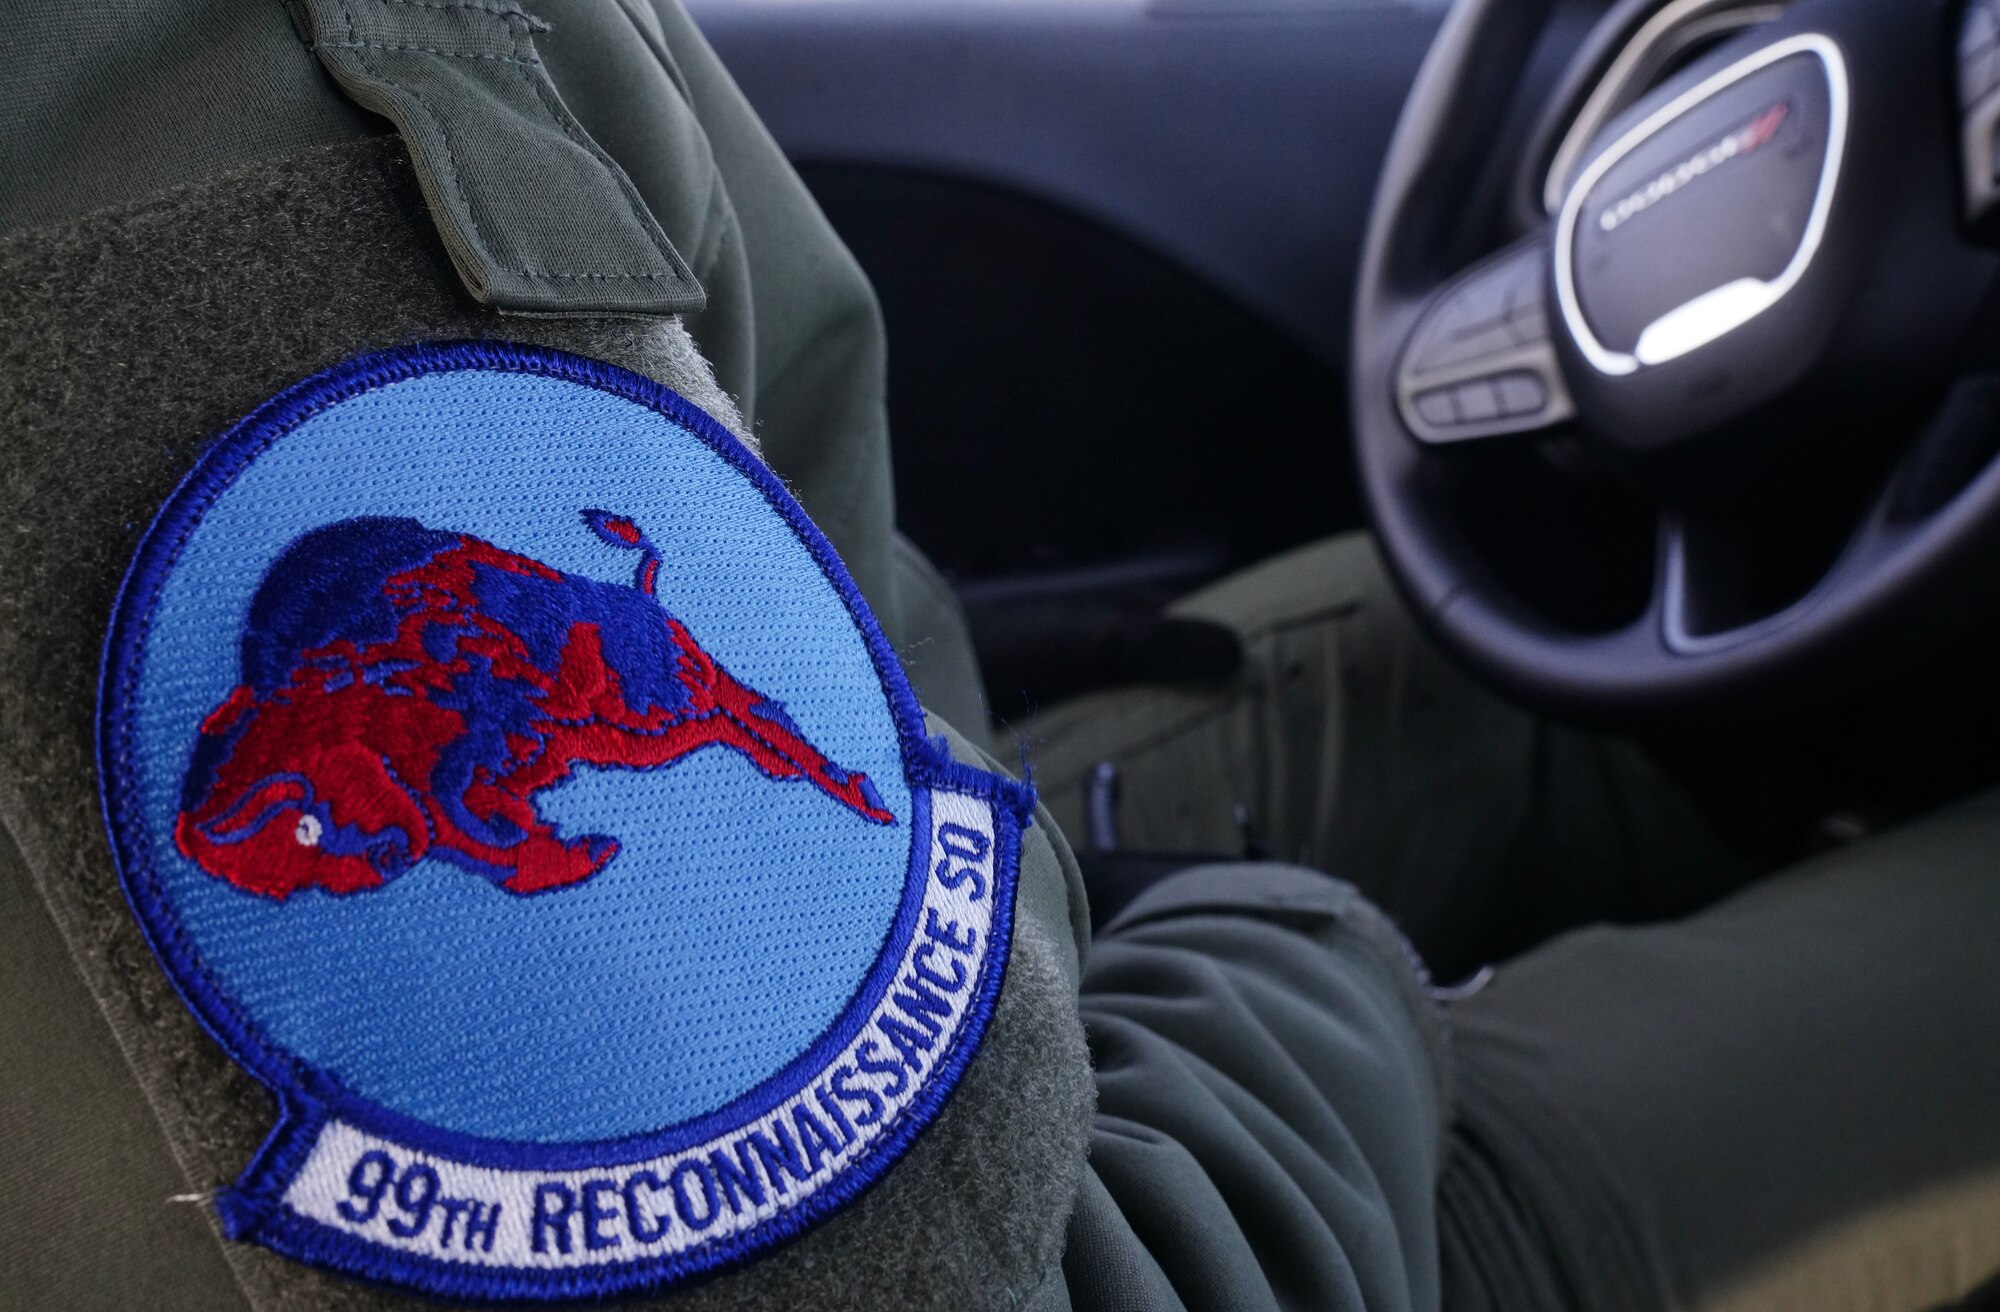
(510, 777)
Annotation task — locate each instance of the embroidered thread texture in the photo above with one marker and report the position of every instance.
(476, 609)
(427, 685)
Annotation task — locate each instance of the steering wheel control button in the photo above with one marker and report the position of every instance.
(1521, 393)
(1978, 52)
(1978, 75)
(1477, 402)
(1707, 211)
(1436, 407)
(1979, 102)
(1481, 363)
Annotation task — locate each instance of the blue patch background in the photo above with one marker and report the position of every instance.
(741, 914)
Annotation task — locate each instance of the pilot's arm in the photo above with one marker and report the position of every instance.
(382, 927)
(414, 409)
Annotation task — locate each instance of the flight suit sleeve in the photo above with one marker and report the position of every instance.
(1273, 1094)
(791, 326)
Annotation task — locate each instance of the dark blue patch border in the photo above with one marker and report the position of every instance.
(253, 1209)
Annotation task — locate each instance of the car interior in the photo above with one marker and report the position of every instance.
(1651, 346)
(1169, 290)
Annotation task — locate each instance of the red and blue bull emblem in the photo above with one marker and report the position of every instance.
(433, 685)
(509, 775)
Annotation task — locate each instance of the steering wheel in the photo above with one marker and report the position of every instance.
(1757, 322)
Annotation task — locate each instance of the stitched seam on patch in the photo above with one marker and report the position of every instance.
(1010, 804)
(131, 673)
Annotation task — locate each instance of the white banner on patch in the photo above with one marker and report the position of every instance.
(373, 1188)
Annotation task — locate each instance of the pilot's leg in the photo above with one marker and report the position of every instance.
(1789, 1101)
(1352, 746)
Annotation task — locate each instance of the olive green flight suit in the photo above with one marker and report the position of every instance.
(1781, 1104)
(194, 213)
(1786, 1102)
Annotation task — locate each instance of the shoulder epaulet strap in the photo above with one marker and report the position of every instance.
(536, 217)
